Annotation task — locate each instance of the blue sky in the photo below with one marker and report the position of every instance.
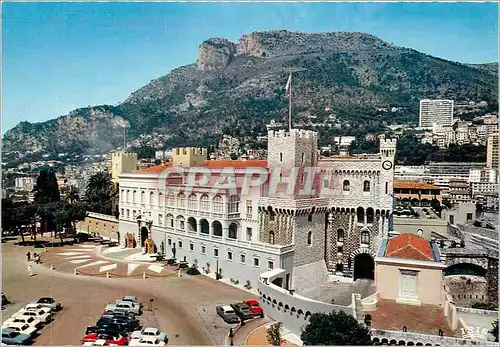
(60, 56)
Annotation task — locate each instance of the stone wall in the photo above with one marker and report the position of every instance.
(492, 280)
(309, 275)
(100, 224)
(467, 290)
(313, 227)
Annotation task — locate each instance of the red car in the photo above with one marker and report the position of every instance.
(255, 307)
(110, 339)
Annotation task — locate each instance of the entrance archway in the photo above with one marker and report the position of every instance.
(364, 266)
(144, 235)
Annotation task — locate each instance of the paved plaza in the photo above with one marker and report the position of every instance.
(177, 301)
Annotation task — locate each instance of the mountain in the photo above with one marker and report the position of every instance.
(237, 87)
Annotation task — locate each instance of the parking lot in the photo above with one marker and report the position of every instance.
(175, 308)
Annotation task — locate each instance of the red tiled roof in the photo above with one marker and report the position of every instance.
(154, 169)
(234, 163)
(413, 185)
(409, 246)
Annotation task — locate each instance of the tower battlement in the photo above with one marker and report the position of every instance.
(388, 143)
(294, 133)
(189, 151)
(188, 156)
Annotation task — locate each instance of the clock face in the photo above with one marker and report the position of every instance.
(387, 165)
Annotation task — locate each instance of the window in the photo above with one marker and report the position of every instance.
(387, 187)
(160, 219)
(234, 203)
(303, 157)
(340, 235)
(271, 237)
(229, 255)
(128, 196)
(143, 197)
(193, 202)
(249, 234)
(128, 214)
(134, 197)
(369, 215)
(123, 212)
(218, 204)
(366, 186)
(180, 244)
(216, 252)
(191, 247)
(271, 217)
(309, 238)
(134, 213)
(365, 237)
(469, 216)
(346, 186)
(281, 157)
(170, 220)
(233, 231)
(360, 215)
(170, 242)
(270, 265)
(152, 198)
(340, 249)
(180, 223)
(161, 199)
(122, 195)
(171, 199)
(310, 217)
(242, 258)
(256, 261)
(249, 209)
(205, 203)
(203, 249)
(181, 200)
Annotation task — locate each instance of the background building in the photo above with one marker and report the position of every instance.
(435, 112)
(492, 151)
(122, 162)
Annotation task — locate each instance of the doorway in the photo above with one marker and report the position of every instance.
(364, 266)
(144, 235)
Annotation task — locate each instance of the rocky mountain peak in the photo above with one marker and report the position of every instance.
(215, 53)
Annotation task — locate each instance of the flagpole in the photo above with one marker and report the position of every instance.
(290, 106)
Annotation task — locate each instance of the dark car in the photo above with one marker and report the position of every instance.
(102, 330)
(112, 314)
(242, 310)
(126, 323)
(108, 324)
(227, 314)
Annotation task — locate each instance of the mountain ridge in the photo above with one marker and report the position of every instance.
(240, 86)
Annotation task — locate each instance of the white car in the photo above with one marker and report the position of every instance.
(32, 307)
(130, 298)
(31, 321)
(147, 341)
(97, 343)
(124, 306)
(43, 314)
(23, 328)
(149, 332)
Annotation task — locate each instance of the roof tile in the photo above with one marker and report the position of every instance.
(409, 246)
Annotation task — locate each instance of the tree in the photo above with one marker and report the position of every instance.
(494, 330)
(274, 334)
(100, 193)
(336, 328)
(71, 195)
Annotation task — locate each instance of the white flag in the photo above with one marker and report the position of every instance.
(289, 83)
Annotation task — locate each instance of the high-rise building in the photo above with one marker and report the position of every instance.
(435, 112)
(492, 151)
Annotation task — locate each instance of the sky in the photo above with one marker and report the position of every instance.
(57, 57)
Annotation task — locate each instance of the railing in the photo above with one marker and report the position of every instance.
(425, 338)
(102, 216)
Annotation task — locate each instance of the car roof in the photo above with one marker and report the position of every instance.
(149, 338)
(154, 330)
(227, 308)
(129, 297)
(252, 301)
(8, 330)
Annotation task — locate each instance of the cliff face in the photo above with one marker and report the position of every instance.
(239, 86)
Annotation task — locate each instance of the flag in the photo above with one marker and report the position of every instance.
(289, 83)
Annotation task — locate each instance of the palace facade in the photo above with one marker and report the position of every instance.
(302, 216)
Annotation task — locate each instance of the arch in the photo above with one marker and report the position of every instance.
(217, 228)
(180, 222)
(143, 197)
(271, 237)
(415, 202)
(192, 202)
(293, 310)
(192, 225)
(233, 231)
(369, 215)
(364, 266)
(300, 312)
(181, 200)
(274, 302)
(401, 343)
(465, 269)
(287, 307)
(309, 238)
(144, 236)
(171, 199)
(428, 344)
(366, 186)
(384, 341)
(280, 304)
(340, 235)
(393, 342)
(376, 340)
(410, 343)
(134, 196)
(346, 186)
(218, 204)
(151, 198)
(204, 226)
(161, 199)
(205, 203)
(170, 220)
(419, 344)
(360, 215)
(264, 296)
(307, 315)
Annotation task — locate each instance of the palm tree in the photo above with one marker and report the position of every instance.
(72, 195)
(99, 193)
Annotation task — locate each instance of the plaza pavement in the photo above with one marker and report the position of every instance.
(176, 300)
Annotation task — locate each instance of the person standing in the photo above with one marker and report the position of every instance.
(28, 256)
(30, 270)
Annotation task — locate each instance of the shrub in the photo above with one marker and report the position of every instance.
(82, 237)
(193, 271)
(485, 306)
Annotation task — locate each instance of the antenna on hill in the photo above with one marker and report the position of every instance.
(124, 137)
(289, 90)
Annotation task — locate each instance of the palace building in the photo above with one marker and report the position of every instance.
(301, 216)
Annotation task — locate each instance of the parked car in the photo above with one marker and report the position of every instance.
(108, 324)
(44, 315)
(23, 328)
(34, 307)
(130, 298)
(124, 306)
(49, 302)
(14, 337)
(101, 330)
(255, 307)
(31, 321)
(227, 314)
(112, 339)
(149, 332)
(242, 310)
(96, 343)
(147, 341)
(111, 314)
(127, 323)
